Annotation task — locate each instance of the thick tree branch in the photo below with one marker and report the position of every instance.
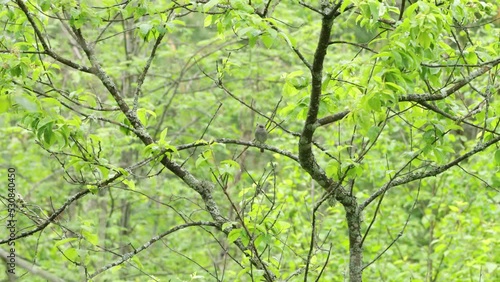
(306, 157)
(203, 188)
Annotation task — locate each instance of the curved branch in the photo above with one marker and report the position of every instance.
(48, 50)
(452, 89)
(51, 217)
(146, 245)
(420, 175)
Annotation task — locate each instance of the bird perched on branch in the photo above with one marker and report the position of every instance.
(261, 135)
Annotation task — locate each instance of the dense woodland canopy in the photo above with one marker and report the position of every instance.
(130, 127)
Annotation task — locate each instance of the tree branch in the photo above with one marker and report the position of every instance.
(331, 119)
(447, 92)
(239, 142)
(47, 49)
(420, 175)
(144, 72)
(32, 268)
(127, 256)
(306, 157)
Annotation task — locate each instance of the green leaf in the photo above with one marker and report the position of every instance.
(163, 135)
(45, 5)
(244, 271)
(344, 5)
(497, 156)
(242, 5)
(267, 40)
(374, 9)
(231, 163)
(234, 235)
(138, 262)
(143, 114)
(373, 132)
(64, 241)
(92, 188)
(374, 103)
(425, 39)
(210, 4)
(332, 169)
(396, 87)
(145, 28)
(201, 160)
(130, 183)
(91, 237)
(439, 154)
(208, 20)
(5, 103)
(71, 254)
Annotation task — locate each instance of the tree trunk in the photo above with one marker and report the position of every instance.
(355, 247)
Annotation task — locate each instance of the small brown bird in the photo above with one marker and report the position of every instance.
(261, 135)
